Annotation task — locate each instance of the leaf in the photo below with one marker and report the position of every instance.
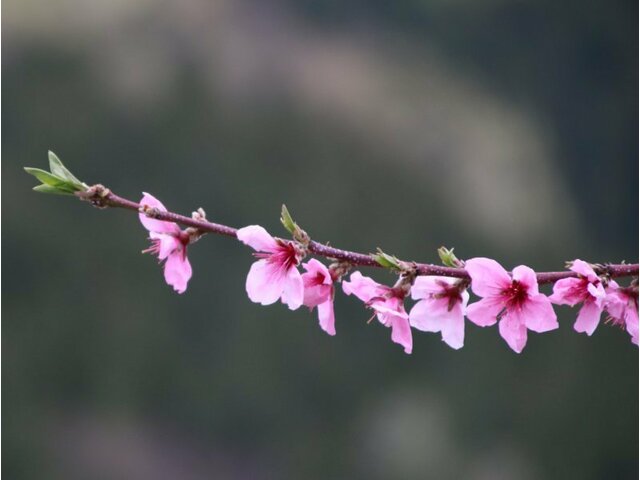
(46, 177)
(385, 260)
(59, 170)
(49, 189)
(287, 221)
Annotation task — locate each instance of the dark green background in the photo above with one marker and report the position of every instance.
(503, 128)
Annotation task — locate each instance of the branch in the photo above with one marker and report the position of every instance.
(102, 197)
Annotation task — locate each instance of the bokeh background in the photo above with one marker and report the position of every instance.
(502, 128)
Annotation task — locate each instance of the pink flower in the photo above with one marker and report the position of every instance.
(169, 243)
(622, 305)
(275, 276)
(440, 309)
(515, 301)
(588, 289)
(318, 292)
(387, 302)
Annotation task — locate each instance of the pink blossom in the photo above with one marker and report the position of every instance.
(169, 243)
(318, 292)
(387, 302)
(515, 302)
(588, 289)
(622, 305)
(440, 309)
(275, 276)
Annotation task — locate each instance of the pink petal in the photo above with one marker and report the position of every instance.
(363, 287)
(401, 332)
(484, 312)
(487, 276)
(257, 238)
(631, 321)
(588, 318)
(168, 244)
(326, 317)
(314, 295)
(315, 268)
(177, 271)
(427, 314)
(318, 285)
(265, 283)
(293, 291)
(597, 292)
(453, 328)
(152, 224)
(527, 278)
(514, 332)
(538, 315)
(568, 291)
(425, 286)
(584, 269)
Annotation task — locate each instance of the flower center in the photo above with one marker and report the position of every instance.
(516, 294)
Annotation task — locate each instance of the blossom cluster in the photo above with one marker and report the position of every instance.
(510, 299)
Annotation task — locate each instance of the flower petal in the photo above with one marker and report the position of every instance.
(538, 315)
(168, 244)
(487, 276)
(583, 268)
(588, 318)
(177, 271)
(514, 332)
(265, 283)
(152, 224)
(401, 332)
(428, 315)
(257, 238)
(568, 291)
(453, 328)
(527, 277)
(326, 317)
(484, 312)
(293, 291)
(425, 286)
(363, 287)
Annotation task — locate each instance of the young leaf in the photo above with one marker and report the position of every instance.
(59, 170)
(49, 189)
(287, 221)
(45, 177)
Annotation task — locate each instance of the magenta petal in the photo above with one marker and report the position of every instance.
(401, 332)
(588, 318)
(152, 224)
(177, 271)
(527, 277)
(293, 291)
(264, 283)
(257, 238)
(487, 276)
(326, 317)
(514, 332)
(484, 312)
(538, 315)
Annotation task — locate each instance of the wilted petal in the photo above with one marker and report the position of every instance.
(538, 315)
(257, 238)
(487, 276)
(177, 271)
(152, 224)
(265, 283)
(514, 332)
(484, 312)
(588, 318)
(326, 317)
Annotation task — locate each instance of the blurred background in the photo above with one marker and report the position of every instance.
(501, 128)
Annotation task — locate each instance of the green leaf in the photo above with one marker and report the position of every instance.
(59, 170)
(385, 260)
(45, 177)
(448, 258)
(287, 221)
(49, 189)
